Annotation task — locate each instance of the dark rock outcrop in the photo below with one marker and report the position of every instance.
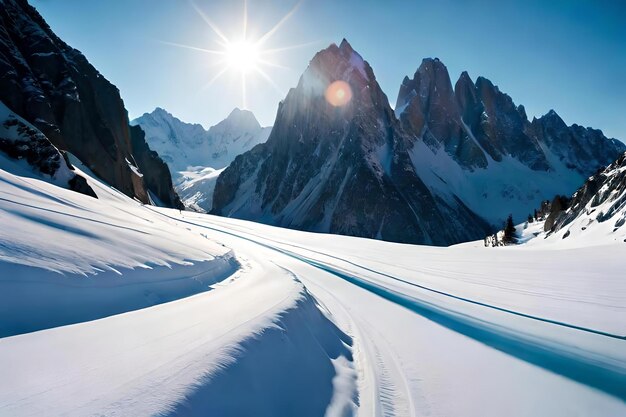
(160, 182)
(56, 89)
(343, 169)
(22, 141)
(601, 198)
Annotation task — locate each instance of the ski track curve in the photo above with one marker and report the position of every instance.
(569, 361)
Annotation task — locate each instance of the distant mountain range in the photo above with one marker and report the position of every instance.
(447, 166)
(196, 156)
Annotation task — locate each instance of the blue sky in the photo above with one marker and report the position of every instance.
(560, 54)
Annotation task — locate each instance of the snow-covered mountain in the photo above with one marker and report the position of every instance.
(196, 156)
(473, 143)
(448, 165)
(345, 170)
(53, 87)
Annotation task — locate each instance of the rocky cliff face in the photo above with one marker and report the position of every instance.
(54, 87)
(601, 199)
(338, 161)
(472, 140)
(159, 184)
(22, 141)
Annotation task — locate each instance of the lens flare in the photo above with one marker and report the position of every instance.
(338, 93)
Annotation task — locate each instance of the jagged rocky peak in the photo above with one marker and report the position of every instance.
(337, 87)
(338, 161)
(475, 131)
(430, 79)
(428, 109)
(54, 87)
(581, 149)
(340, 64)
(552, 119)
(467, 98)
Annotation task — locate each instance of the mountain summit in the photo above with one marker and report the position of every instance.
(340, 166)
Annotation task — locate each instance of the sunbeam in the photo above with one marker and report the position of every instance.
(271, 82)
(273, 30)
(195, 48)
(208, 21)
(215, 77)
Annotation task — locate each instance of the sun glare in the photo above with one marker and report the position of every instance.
(246, 57)
(242, 56)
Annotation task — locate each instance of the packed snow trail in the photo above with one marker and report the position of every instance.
(152, 361)
(584, 355)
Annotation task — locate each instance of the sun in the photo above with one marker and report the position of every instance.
(242, 56)
(247, 56)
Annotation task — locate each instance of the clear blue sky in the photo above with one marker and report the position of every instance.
(569, 55)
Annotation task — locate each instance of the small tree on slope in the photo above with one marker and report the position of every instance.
(509, 231)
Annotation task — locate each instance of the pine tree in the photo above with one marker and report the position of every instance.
(509, 231)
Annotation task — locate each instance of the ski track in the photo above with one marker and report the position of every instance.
(564, 360)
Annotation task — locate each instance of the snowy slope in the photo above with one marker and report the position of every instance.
(86, 258)
(67, 258)
(194, 155)
(196, 185)
(497, 190)
(301, 324)
(596, 214)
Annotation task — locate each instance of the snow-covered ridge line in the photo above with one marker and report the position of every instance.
(67, 257)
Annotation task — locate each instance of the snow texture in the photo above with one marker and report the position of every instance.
(282, 322)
